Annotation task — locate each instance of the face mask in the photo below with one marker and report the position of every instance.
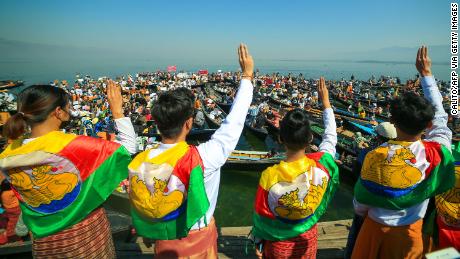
(67, 125)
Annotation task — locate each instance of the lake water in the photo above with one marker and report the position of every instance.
(44, 71)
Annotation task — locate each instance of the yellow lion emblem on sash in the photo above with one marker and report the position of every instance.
(391, 171)
(293, 208)
(448, 203)
(154, 204)
(42, 186)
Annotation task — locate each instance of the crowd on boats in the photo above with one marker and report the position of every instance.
(69, 146)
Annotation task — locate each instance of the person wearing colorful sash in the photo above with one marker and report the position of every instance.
(61, 180)
(295, 193)
(385, 132)
(448, 210)
(399, 177)
(174, 186)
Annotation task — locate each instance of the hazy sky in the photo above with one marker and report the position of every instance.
(211, 30)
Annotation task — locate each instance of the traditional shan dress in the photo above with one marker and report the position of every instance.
(168, 197)
(290, 199)
(448, 209)
(61, 180)
(399, 176)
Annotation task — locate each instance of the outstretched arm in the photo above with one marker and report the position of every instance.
(330, 129)
(439, 132)
(216, 151)
(126, 135)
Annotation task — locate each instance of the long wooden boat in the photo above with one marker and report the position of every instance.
(260, 133)
(218, 99)
(280, 102)
(251, 160)
(359, 127)
(194, 135)
(213, 123)
(8, 84)
(336, 99)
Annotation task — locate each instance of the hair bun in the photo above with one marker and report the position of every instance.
(297, 119)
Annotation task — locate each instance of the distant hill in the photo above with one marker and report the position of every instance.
(438, 54)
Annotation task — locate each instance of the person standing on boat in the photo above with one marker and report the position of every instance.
(399, 177)
(61, 180)
(295, 193)
(174, 186)
(253, 112)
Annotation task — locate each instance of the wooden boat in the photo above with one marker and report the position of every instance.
(218, 99)
(280, 102)
(355, 115)
(344, 147)
(16, 248)
(223, 88)
(8, 84)
(194, 135)
(213, 123)
(356, 126)
(365, 104)
(260, 133)
(251, 160)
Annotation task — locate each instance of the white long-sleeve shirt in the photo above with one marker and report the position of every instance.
(215, 152)
(126, 135)
(440, 133)
(330, 133)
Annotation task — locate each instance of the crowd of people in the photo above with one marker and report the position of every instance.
(405, 200)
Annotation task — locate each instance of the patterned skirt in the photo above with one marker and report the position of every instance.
(199, 244)
(90, 238)
(302, 246)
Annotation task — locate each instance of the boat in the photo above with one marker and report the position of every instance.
(280, 102)
(16, 248)
(251, 160)
(8, 84)
(355, 115)
(213, 122)
(223, 88)
(195, 134)
(260, 133)
(218, 99)
(338, 101)
(359, 126)
(346, 153)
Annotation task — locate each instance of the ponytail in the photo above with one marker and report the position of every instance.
(35, 104)
(15, 126)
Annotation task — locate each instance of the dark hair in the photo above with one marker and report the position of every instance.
(295, 130)
(34, 105)
(379, 140)
(172, 109)
(411, 113)
(5, 185)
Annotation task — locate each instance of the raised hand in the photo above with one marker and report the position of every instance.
(423, 62)
(115, 99)
(246, 62)
(323, 93)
